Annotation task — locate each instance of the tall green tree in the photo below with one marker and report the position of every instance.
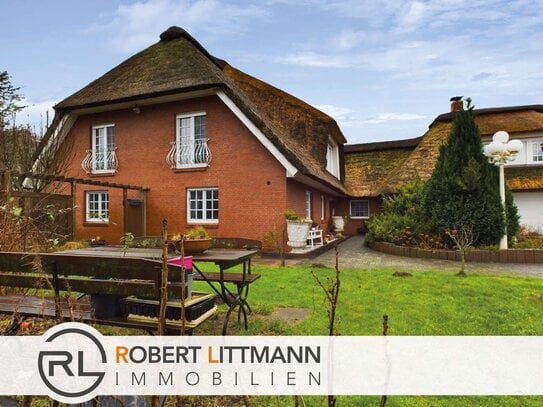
(463, 192)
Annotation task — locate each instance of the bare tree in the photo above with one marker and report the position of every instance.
(463, 238)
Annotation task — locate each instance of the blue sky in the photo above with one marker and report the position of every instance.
(384, 69)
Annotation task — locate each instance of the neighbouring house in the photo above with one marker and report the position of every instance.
(205, 144)
(374, 170)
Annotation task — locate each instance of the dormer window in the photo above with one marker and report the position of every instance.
(332, 158)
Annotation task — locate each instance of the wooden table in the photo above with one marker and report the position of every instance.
(226, 259)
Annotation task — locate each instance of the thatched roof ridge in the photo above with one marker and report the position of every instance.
(382, 145)
(513, 118)
(166, 67)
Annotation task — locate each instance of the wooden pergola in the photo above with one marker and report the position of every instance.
(73, 181)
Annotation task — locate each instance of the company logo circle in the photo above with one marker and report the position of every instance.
(72, 366)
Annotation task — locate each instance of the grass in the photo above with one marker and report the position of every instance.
(428, 303)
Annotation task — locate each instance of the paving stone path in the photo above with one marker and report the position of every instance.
(353, 254)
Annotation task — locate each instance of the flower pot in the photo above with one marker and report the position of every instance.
(297, 233)
(338, 223)
(194, 246)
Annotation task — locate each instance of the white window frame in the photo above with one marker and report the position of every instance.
(332, 158)
(101, 200)
(205, 202)
(183, 140)
(535, 150)
(358, 216)
(103, 147)
(308, 214)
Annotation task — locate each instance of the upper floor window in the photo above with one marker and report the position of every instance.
(203, 205)
(97, 206)
(101, 158)
(359, 209)
(332, 158)
(537, 151)
(190, 149)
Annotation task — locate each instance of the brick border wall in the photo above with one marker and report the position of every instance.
(530, 256)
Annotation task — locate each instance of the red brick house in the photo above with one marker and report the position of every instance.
(213, 145)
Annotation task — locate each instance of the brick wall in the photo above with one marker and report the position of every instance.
(251, 183)
(341, 207)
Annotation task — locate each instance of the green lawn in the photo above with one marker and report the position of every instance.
(428, 303)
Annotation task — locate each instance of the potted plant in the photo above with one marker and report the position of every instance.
(297, 229)
(338, 223)
(196, 240)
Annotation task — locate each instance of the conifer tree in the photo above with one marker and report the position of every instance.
(463, 191)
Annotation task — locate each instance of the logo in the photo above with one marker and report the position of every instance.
(73, 364)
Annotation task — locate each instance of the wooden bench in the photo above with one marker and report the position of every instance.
(99, 277)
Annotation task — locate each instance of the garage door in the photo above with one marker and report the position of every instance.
(530, 208)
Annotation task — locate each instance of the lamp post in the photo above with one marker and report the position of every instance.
(499, 151)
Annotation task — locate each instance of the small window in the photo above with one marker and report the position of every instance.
(203, 205)
(308, 205)
(332, 158)
(360, 209)
(97, 206)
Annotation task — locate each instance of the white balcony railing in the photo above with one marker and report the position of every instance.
(189, 154)
(100, 162)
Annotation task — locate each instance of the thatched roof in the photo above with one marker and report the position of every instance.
(365, 167)
(178, 64)
(368, 166)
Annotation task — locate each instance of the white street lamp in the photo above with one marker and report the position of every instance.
(499, 151)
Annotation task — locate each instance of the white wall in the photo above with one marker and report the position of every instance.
(530, 208)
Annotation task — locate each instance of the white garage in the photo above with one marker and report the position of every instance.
(530, 209)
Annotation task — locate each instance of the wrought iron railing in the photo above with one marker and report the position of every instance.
(100, 161)
(189, 154)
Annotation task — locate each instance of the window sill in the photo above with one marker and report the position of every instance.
(101, 174)
(93, 224)
(204, 225)
(191, 169)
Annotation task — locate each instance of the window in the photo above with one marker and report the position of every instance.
(332, 158)
(103, 149)
(360, 209)
(537, 152)
(191, 143)
(97, 206)
(308, 204)
(203, 205)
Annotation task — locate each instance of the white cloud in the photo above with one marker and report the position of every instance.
(389, 116)
(313, 59)
(136, 25)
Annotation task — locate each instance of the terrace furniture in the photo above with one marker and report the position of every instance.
(106, 280)
(226, 259)
(314, 237)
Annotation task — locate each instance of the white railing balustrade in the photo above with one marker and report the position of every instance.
(189, 154)
(99, 162)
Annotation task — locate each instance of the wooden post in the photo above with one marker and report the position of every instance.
(73, 187)
(7, 184)
(143, 195)
(125, 210)
(163, 281)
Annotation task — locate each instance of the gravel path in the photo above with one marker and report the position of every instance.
(353, 254)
